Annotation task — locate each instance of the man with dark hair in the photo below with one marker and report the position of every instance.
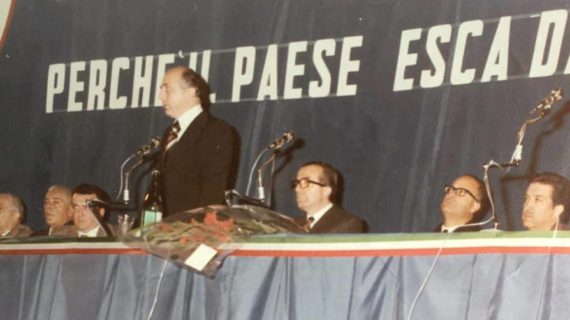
(87, 201)
(316, 187)
(465, 203)
(546, 202)
(11, 215)
(57, 209)
(197, 148)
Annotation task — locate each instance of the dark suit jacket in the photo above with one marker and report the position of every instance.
(336, 220)
(19, 231)
(71, 232)
(45, 232)
(196, 169)
(461, 229)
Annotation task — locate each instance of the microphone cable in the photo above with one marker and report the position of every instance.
(548, 258)
(151, 312)
(427, 277)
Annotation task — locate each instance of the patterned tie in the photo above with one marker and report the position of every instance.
(307, 225)
(169, 138)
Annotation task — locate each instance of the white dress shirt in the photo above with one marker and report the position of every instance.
(89, 234)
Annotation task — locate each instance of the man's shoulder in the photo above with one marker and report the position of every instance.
(341, 212)
(463, 228)
(21, 230)
(65, 231)
(343, 221)
(40, 233)
(218, 123)
(218, 130)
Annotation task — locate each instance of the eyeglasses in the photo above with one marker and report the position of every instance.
(304, 183)
(458, 191)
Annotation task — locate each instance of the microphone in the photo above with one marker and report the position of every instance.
(542, 109)
(147, 148)
(281, 141)
(96, 203)
(544, 106)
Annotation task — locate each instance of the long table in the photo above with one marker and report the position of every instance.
(486, 275)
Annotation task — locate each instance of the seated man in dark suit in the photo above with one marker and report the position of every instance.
(464, 203)
(87, 200)
(315, 188)
(11, 215)
(545, 202)
(57, 209)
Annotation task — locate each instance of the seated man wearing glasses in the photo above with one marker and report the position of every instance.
(545, 202)
(315, 190)
(464, 203)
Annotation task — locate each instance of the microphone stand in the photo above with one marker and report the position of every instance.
(541, 111)
(261, 199)
(248, 188)
(127, 209)
(260, 187)
(124, 177)
(93, 208)
(229, 194)
(145, 153)
(126, 192)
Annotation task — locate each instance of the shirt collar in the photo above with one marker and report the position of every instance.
(91, 233)
(5, 233)
(448, 229)
(185, 120)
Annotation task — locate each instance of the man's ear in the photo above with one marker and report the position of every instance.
(192, 92)
(558, 209)
(476, 206)
(328, 192)
(15, 218)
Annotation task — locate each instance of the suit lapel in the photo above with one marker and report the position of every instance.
(330, 218)
(189, 139)
(192, 134)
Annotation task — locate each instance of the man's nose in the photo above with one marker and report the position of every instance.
(527, 205)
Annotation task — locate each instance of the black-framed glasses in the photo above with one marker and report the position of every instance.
(459, 191)
(304, 183)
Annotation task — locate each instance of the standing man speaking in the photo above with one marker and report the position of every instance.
(197, 148)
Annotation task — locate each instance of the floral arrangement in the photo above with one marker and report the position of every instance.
(178, 236)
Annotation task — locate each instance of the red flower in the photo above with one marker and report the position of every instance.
(211, 219)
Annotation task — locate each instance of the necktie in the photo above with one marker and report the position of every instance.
(307, 226)
(170, 136)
